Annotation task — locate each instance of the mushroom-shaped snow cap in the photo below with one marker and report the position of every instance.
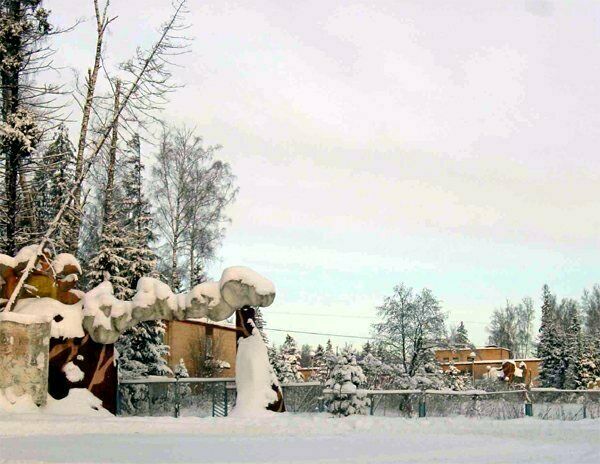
(241, 286)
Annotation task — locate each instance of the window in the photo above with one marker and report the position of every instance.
(455, 359)
(446, 360)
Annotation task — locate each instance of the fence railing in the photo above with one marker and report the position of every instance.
(215, 397)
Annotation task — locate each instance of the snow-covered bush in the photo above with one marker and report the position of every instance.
(457, 380)
(346, 378)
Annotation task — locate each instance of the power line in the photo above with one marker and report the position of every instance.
(323, 315)
(319, 333)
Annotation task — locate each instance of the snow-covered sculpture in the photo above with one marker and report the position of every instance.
(84, 326)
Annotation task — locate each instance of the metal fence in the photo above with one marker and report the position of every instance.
(190, 396)
(215, 397)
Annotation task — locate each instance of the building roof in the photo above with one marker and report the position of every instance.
(490, 361)
(207, 322)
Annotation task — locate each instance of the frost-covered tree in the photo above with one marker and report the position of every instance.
(462, 337)
(259, 322)
(24, 26)
(53, 179)
(591, 308)
(306, 355)
(180, 371)
(511, 327)
(551, 345)
(289, 362)
(137, 220)
(411, 325)
(457, 380)
(503, 328)
(111, 262)
(345, 383)
(574, 355)
(191, 191)
(138, 258)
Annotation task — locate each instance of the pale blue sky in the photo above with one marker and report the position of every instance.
(452, 145)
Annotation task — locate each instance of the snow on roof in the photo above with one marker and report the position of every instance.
(262, 285)
(207, 321)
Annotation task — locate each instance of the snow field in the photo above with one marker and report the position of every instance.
(289, 438)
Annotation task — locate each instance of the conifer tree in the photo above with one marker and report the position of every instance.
(53, 179)
(345, 381)
(551, 343)
(574, 355)
(289, 361)
(462, 337)
(110, 261)
(139, 261)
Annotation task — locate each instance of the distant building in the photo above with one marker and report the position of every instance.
(203, 345)
(479, 360)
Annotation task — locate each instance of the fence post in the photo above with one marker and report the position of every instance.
(584, 411)
(528, 405)
(422, 406)
(225, 399)
(177, 399)
(372, 406)
(118, 403)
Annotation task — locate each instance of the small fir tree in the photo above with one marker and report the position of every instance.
(345, 383)
(462, 337)
(289, 361)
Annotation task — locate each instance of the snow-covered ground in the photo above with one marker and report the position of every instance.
(288, 438)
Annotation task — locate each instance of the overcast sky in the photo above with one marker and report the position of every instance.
(451, 145)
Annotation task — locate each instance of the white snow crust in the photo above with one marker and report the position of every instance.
(56, 435)
(249, 277)
(72, 316)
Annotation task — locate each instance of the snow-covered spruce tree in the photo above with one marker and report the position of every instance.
(551, 346)
(53, 179)
(289, 363)
(591, 308)
(345, 382)
(259, 322)
(590, 362)
(139, 260)
(574, 356)
(457, 380)
(110, 261)
(318, 363)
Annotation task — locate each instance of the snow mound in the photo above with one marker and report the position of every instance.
(79, 402)
(253, 378)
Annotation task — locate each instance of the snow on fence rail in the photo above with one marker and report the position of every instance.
(216, 396)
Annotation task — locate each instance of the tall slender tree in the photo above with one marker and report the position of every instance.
(23, 27)
(551, 346)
